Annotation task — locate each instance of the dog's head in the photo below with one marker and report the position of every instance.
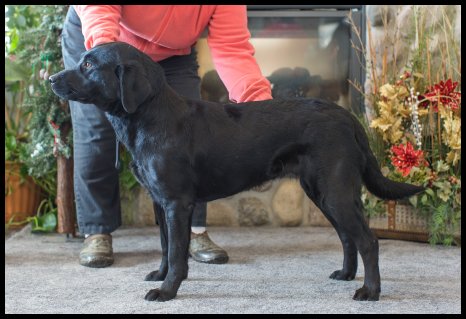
(114, 76)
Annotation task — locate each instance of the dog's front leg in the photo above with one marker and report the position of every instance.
(178, 222)
(158, 275)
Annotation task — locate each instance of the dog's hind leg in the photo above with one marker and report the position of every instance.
(368, 246)
(158, 275)
(342, 204)
(350, 253)
(350, 256)
(178, 222)
(335, 188)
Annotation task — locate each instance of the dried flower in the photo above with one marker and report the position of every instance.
(451, 136)
(392, 112)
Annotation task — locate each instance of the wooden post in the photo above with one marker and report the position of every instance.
(65, 191)
(391, 205)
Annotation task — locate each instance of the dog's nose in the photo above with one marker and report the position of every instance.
(52, 78)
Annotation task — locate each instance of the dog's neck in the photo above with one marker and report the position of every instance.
(161, 111)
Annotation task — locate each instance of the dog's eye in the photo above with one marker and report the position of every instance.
(87, 65)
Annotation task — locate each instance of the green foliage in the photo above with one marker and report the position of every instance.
(440, 203)
(127, 180)
(14, 150)
(44, 222)
(46, 219)
(16, 118)
(41, 49)
(373, 206)
(34, 33)
(41, 159)
(17, 19)
(32, 42)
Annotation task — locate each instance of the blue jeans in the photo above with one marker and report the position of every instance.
(96, 184)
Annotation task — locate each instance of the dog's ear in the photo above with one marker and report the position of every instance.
(134, 85)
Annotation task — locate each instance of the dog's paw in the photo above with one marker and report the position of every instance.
(342, 275)
(152, 295)
(155, 276)
(159, 295)
(365, 293)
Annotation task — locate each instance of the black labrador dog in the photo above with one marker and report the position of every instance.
(186, 151)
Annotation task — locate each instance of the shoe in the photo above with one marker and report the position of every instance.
(97, 251)
(204, 250)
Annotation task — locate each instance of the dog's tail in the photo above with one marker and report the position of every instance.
(375, 182)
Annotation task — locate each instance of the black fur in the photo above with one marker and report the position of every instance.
(188, 151)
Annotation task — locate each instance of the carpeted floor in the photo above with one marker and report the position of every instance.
(271, 270)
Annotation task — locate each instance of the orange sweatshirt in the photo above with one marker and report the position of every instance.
(162, 31)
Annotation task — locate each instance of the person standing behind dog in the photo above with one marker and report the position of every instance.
(167, 33)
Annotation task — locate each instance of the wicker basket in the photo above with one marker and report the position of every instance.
(401, 222)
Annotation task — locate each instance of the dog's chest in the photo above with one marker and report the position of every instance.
(146, 175)
(126, 132)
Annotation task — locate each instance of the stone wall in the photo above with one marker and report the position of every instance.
(278, 203)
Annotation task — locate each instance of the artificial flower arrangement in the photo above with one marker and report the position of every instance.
(420, 131)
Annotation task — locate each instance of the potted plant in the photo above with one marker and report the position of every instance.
(22, 195)
(23, 191)
(422, 133)
(415, 129)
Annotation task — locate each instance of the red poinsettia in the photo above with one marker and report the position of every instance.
(405, 158)
(443, 92)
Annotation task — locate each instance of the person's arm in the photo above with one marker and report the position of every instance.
(233, 55)
(100, 24)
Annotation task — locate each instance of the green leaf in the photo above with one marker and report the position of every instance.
(441, 166)
(443, 196)
(413, 200)
(430, 192)
(14, 40)
(424, 199)
(10, 142)
(49, 221)
(45, 223)
(438, 217)
(444, 190)
(21, 21)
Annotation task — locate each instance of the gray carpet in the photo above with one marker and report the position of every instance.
(271, 270)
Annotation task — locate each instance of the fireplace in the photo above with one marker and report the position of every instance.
(303, 50)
